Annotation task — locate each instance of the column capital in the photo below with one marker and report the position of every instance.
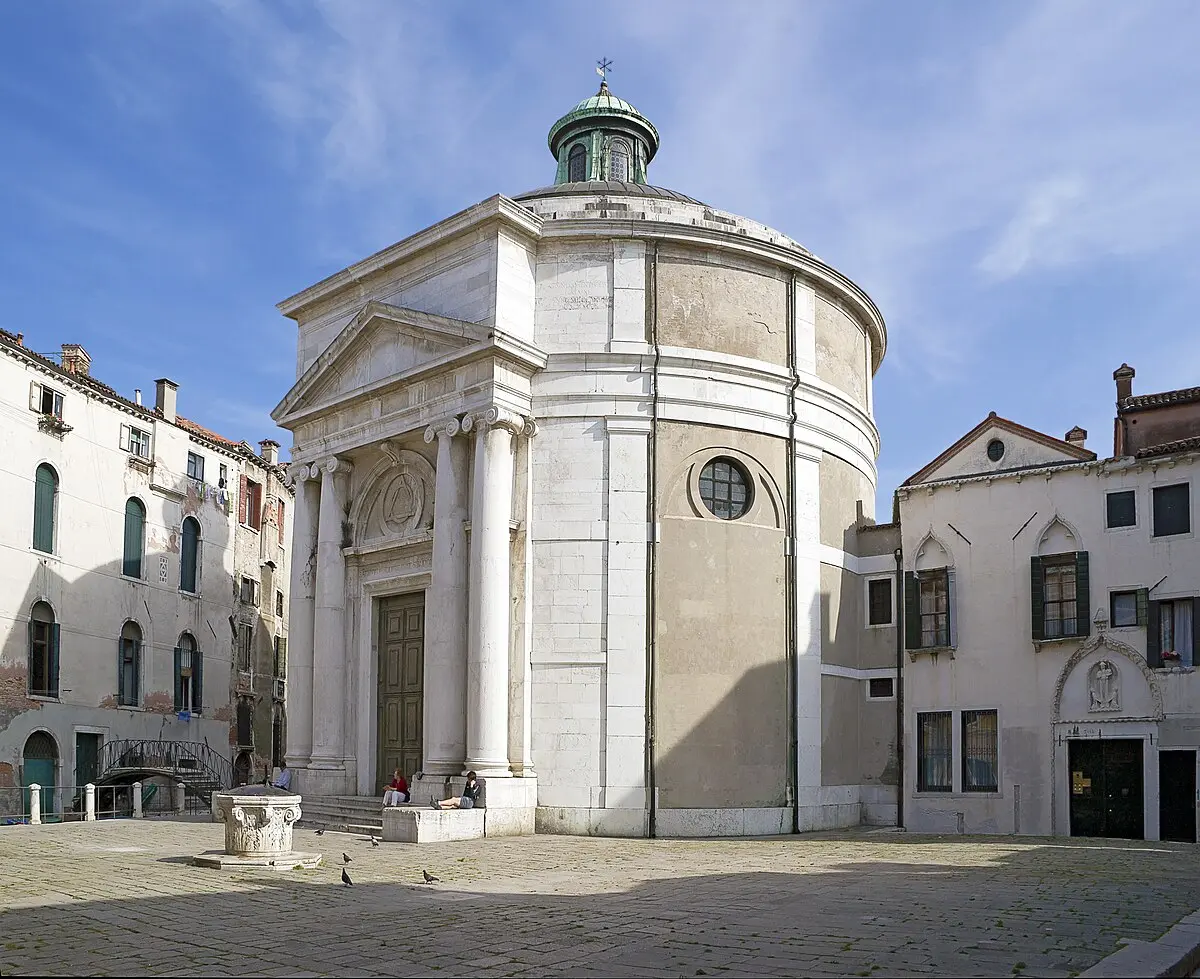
(446, 428)
(497, 417)
(297, 474)
(335, 466)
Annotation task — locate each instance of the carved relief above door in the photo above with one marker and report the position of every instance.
(398, 500)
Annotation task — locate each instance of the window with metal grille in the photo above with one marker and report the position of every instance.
(881, 688)
(577, 164)
(725, 489)
(618, 160)
(935, 752)
(935, 608)
(43, 651)
(1120, 509)
(129, 665)
(1059, 605)
(979, 751)
(1172, 510)
(879, 601)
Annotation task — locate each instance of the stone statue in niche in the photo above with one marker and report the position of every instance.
(1104, 688)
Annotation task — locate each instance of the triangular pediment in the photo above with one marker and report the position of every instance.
(381, 342)
(1019, 448)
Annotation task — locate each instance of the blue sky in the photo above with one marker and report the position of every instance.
(1015, 183)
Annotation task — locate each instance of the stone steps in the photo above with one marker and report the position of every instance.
(351, 814)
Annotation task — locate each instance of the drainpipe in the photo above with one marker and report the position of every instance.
(899, 555)
(652, 551)
(791, 609)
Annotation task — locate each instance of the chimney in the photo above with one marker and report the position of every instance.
(269, 451)
(1123, 375)
(137, 397)
(75, 359)
(20, 339)
(1077, 436)
(165, 394)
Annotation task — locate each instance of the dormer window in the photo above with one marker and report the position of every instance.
(577, 164)
(618, 160)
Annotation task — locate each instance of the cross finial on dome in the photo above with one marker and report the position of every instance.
(603, 67)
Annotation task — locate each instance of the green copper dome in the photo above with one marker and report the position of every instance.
(603, 138)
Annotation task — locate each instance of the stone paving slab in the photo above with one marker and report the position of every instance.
(119, 898)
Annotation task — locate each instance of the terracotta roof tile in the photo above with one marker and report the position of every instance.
(1182, 396)
(1191, 444)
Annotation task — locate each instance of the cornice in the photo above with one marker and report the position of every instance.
(497, 209)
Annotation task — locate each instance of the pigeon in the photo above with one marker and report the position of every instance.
(345, 858)
(320, 832)
(429, 878)
(374, 842)
(346, 878)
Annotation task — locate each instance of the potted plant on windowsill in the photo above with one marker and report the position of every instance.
(1170, 656)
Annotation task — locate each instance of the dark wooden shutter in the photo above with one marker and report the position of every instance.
(136, 644)
(178, 679)
(1143, 606)
(1195, 631)
(197, 681)
(951, 610)
(1083, 595)
(1037, 598)
(52, 672)
(242, 501)
(121, 698)
(912, 611)
(1153, 637)
(44, 490)
(279, 517)
(134, 521)
(281, 659)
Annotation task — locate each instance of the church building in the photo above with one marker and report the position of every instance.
(584, 482)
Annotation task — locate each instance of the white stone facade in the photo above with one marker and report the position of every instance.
(103, 452)
(989, 520)
(503, 380)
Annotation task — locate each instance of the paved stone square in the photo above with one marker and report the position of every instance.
(119, 898)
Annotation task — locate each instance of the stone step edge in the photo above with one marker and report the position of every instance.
(1176, 953)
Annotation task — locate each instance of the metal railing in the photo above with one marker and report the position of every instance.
(36, 804)
(191, 762)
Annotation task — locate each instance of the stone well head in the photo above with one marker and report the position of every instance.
(258, 820)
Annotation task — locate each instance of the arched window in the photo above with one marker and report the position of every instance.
(43, 651)
(189, 556)
(129, 664)
(135, 526)
(189, 672)
(618, 160)
(45, 502)
(577, 164)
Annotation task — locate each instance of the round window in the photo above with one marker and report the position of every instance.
(725, 489)
(995, 450)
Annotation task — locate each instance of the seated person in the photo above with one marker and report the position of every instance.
(397, 792)
(465, 801)
(284, 779)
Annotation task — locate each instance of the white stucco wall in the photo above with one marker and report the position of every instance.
(996, 664)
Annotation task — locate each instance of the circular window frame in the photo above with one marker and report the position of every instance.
(747, 479)
(998, 447)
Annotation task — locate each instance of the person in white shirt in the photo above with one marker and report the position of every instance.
(284, 779)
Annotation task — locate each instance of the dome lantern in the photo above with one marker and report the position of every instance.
(603, 138)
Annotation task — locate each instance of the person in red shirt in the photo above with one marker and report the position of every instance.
(397, 792)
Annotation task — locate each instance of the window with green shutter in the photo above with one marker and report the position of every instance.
(45, 500)
(929, 615)
(135, 526)
(1059, 595)
(129, 665)
(43, 651)
(189, 556)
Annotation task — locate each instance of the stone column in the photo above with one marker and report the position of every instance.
(329, 626)
(301, 618)
(491, 594)
(446, 608)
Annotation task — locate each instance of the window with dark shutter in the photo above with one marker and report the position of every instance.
(135, 524)
(279, 519)
(129, 665)
(189, 556)
(43, 651)
(1172, 510)
(1037, 598)
(879, 601)
(1121, 509)
(45, 500)
(242, 499)
(912, 611)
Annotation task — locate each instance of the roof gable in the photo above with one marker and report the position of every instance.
(380, 343)
(1023, 448)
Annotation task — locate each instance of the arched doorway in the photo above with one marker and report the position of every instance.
(39, 766)
(241, 769)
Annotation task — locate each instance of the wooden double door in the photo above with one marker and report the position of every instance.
(401, 693)
(1106, 788)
